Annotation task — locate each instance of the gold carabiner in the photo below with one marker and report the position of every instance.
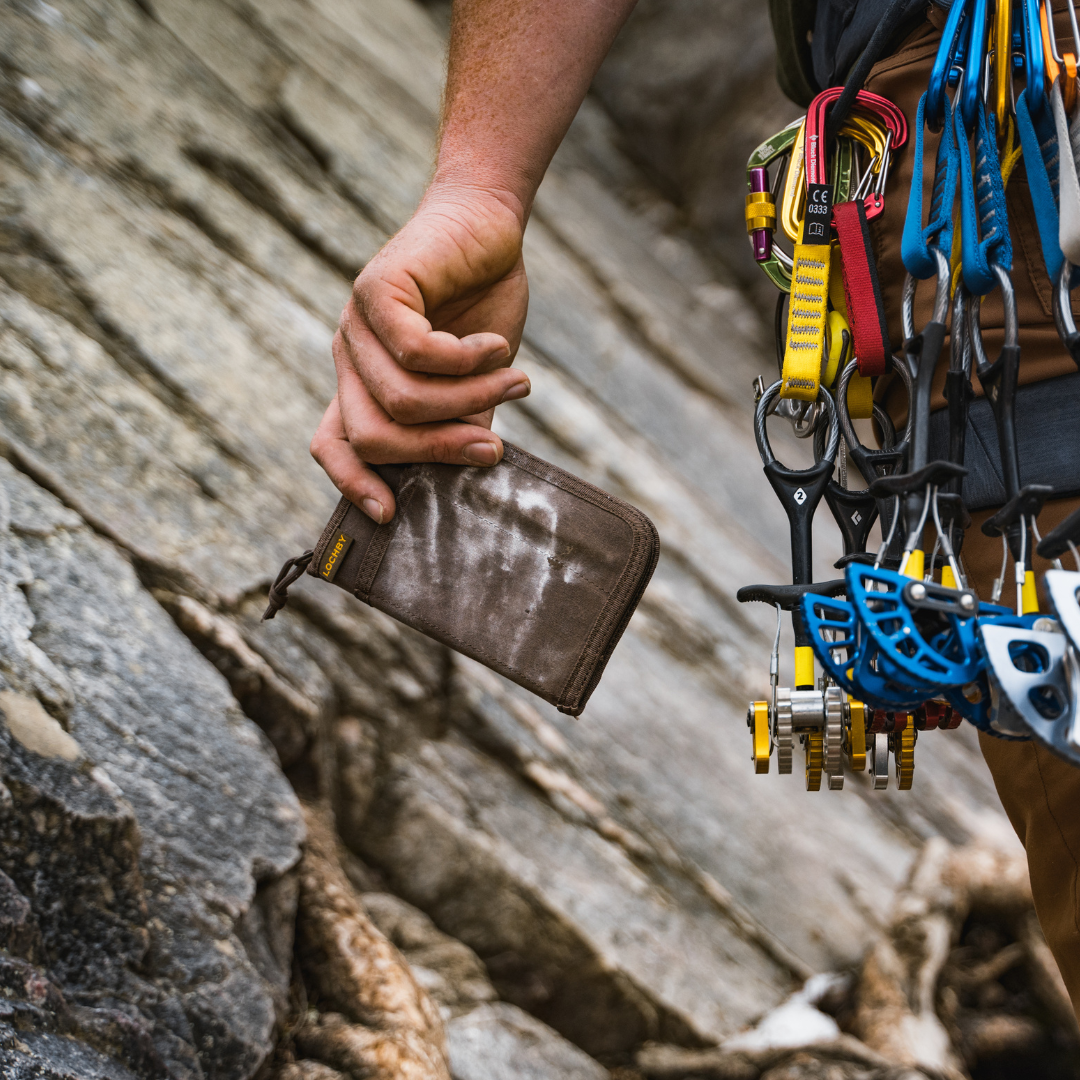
(1003, 60)
(859, 126)
(793, 200)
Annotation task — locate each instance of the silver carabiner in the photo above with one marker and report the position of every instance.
(1063, 313)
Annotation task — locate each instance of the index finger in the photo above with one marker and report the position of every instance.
(394, 312)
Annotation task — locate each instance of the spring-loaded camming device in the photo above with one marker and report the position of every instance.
(818, 715)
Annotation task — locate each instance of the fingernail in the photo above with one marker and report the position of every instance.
(518, 390)
(481, 453)
(373, 509)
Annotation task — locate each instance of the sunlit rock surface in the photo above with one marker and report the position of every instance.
(186, 189)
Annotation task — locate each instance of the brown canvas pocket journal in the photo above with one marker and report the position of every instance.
(522, 566)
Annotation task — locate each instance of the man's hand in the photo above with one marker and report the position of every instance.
(437, 315)
(433, 322)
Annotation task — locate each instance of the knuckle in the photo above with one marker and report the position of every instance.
(363, 444)
(442, 448)
(402, 404)
(410, 355)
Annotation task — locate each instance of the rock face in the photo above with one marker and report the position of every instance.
(692, 87)
(186, 189)
(500, 1040)
(144, 848)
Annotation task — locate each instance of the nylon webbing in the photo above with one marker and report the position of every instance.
(866, 311)
(1069, 186)
(806, 320)
(984, 222)
(915, 244)
(1042, 163)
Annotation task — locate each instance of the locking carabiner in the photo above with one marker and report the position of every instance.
(761, 210)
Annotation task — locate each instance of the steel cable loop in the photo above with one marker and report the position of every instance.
(761, 413)
(942, 289)
(1012, 332)
(945, 542)
(961, 305)
(848, 428)
(888, 429)
(907, 306)
(1064, 319)
(941, 295)
(1063, 315)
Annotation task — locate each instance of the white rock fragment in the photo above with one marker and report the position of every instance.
(795, 1022)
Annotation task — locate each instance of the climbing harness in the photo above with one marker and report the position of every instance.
(900, 645)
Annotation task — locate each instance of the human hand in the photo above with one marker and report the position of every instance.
(433, 322)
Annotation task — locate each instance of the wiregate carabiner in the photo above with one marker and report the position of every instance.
(864, 128)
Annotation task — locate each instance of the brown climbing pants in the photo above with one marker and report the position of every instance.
(1040, 792)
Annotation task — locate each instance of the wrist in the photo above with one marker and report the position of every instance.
(460, 181)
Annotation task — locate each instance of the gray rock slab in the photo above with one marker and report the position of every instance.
(141, 850)
(499, 1040)
(692, 99)
(466, 840)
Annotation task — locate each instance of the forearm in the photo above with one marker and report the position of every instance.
(518, 71)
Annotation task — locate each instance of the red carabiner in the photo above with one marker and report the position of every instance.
(816, 115)
(866, 311)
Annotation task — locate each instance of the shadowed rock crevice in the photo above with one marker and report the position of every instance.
(252, 187)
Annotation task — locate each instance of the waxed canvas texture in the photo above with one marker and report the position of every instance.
(523, 567)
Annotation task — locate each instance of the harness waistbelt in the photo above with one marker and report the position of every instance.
(1046, 432)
